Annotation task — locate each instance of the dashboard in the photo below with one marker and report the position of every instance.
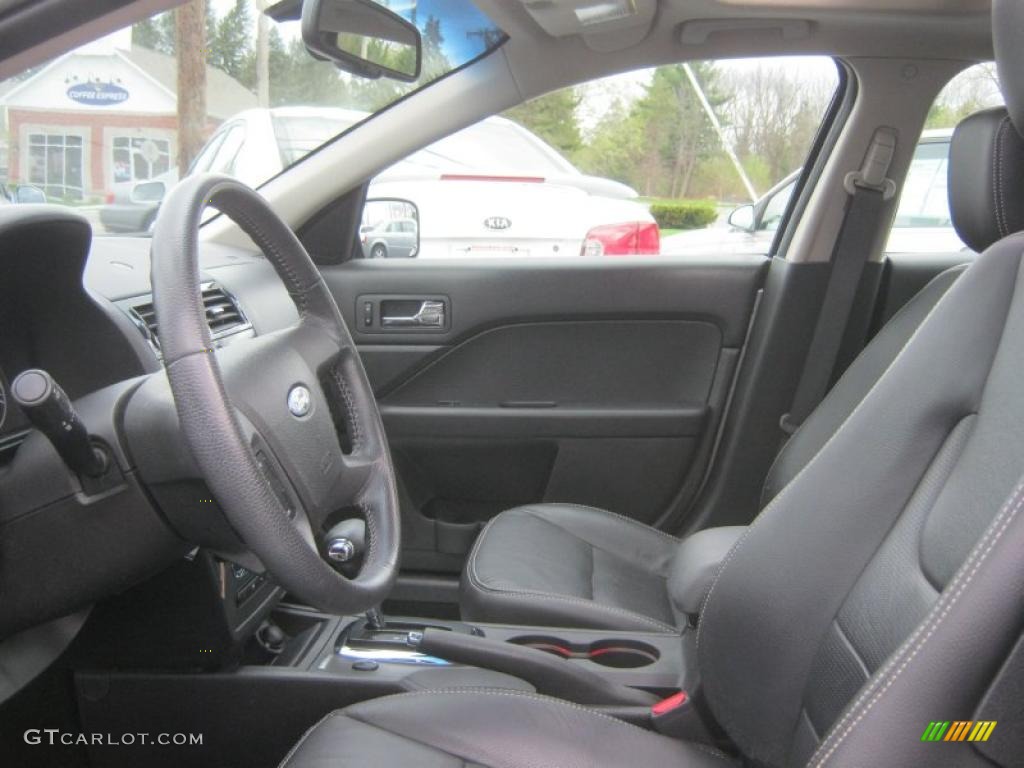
(81, 309)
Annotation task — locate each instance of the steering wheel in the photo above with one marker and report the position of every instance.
(283, 427)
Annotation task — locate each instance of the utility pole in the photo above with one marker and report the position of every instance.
(190, 43)
(262, 55)
(702, 97)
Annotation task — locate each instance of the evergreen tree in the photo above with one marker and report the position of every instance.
(658, 144)
(299, 79)
(679, 134)
(230, 46)
(553, 118)
(155, 33)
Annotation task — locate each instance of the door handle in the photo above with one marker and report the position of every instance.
(431, 314)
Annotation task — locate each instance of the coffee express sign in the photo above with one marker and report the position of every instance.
(97, 94)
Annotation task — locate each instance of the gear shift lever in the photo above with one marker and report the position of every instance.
(345, 546)
(375, 619)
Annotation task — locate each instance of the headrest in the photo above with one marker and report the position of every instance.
(986, 178)
(1008, 41)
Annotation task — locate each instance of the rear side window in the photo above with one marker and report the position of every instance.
(684, 160)
(925, 198)
(224, 158)
(299, 134)
(923, 224)
(205, 157)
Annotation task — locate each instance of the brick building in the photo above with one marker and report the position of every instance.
(100, 116)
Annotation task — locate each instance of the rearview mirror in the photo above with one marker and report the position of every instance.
(743, 218)
(362, 37)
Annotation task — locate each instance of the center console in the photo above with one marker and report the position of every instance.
(594, 667)
(213, 637)
(302, 664)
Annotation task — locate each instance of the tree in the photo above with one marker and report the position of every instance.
(435, 63)
(262, 55)
(679, 133)
(553, 118)
(614, 146)
(231, 48)
(972, 90)
(155, 33)
(774, 116)
(301, 79)
(657, 143)
(190, 35)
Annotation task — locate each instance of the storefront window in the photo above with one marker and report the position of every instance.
(55, 164)
(139, 158)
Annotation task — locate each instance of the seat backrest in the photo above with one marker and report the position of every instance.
(848, 587)
(983, 212)
(854, 385)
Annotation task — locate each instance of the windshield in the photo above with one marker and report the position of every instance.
(213, 85)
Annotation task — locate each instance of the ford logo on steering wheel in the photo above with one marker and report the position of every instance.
(300, 401)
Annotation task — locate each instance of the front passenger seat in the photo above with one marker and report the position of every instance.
(564, 565)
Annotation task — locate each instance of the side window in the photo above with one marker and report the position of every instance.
(925, 198)
(683, 160)
(923, 224)
(775, 206)
(206, 155)
(224, 159)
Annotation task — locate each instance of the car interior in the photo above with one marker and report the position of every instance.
(267, 500)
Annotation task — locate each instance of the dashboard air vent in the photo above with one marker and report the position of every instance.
(147, 316)
(223, 315)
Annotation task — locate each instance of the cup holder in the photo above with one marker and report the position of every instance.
(622, 654)
(616, 654)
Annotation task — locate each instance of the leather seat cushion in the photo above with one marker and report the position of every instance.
(562, 565)
(506, 729)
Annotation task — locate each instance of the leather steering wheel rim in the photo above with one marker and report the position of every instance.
(258, 459)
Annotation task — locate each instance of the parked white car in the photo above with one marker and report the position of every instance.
(922, 224)
(496, 189)
(493, 189)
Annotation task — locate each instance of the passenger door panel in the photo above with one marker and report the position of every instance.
(582, 381)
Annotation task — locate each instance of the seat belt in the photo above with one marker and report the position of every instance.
(869, 190)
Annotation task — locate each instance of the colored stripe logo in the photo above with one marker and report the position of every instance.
(958, 730)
